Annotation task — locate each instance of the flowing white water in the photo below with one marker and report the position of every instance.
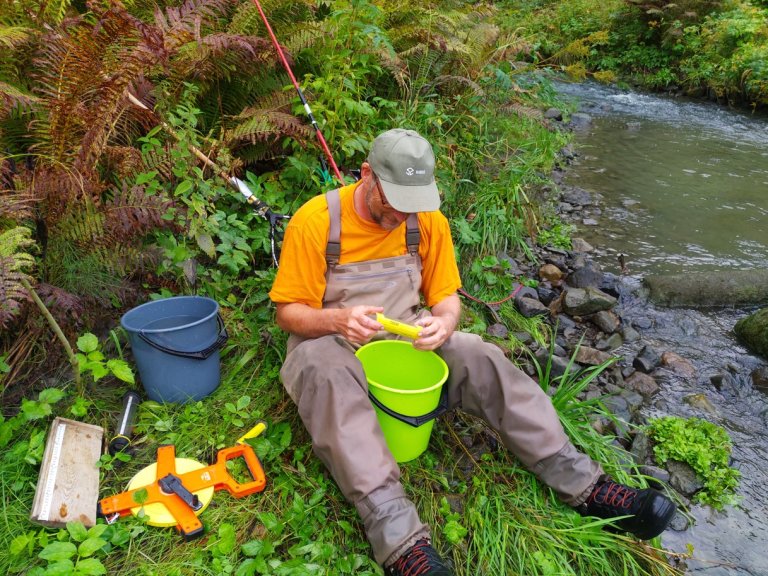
(685, 188)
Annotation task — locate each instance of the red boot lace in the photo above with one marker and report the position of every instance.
(415, 562)
(612, 494)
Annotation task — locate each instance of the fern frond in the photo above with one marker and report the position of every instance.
(451, 85)
(522, 111)
(14, 264)
(11, 97)
(131, 214)
(266, 126)
(12, 291)
(11, 37)
(283, 17)
(60, 302)
(17, 199)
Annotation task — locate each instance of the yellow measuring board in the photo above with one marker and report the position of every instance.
(399, 328)
(68, 484)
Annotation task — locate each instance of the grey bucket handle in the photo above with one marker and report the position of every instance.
(415, 421)
(199, 355)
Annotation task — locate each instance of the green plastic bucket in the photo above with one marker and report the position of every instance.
(405, 386)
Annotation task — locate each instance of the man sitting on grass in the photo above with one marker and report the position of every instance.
(381, 245)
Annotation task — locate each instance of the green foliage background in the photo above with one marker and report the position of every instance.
(105, 204)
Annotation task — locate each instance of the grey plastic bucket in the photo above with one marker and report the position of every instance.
(176, 344)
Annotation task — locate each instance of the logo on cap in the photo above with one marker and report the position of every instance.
(409, 171)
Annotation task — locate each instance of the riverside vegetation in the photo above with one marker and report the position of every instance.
(103, 208)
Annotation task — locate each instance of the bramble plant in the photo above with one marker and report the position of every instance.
(91, 359)
(705, 447)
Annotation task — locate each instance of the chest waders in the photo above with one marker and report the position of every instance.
(326, 382)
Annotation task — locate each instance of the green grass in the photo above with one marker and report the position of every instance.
(487, 513)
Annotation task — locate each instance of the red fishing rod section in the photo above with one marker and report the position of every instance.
(308, 110)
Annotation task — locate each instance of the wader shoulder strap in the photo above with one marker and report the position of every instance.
(333, 248)
(412, 234)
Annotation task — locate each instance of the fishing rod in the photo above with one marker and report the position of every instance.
(307, 109)
(259, 207)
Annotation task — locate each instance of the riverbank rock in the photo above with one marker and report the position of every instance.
(585, 301)
(678, 364)
(752, 331)
(709, 289)
(642, 383)
(760, 378)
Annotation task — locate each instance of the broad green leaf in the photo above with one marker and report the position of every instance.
(183, 187)
(206, 244)
(247, 568)
(95, 356)
(58, 551)
(121, 370)
(51, 395)
(98, 371)
(77, 531)
(35, 410)
(87, 343)
(252, 547)
(90, 567)
(98, 530)
(227, 538)
(60, 568)
(80, 407)
(89, 546)
(19, 544)
(243, 402)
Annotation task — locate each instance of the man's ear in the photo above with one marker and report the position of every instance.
(365, 170)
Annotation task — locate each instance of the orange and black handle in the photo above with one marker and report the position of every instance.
(176, 491)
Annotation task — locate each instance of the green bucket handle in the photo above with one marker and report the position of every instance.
(415, 421)
(200, 354)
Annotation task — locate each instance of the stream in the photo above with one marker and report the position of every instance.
(683, 187)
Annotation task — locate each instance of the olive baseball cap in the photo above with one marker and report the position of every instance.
(404, 163)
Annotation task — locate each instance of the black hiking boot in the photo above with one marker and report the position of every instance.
(419, 560)
(649, 511)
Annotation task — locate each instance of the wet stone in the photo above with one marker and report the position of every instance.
(655, 472)
(546, 294)
(588, 275)
(701, 402)
(585, 301)
(678, 364)
(606, 320)
(551, 273)
(630, 334)
(760, 378)
(642, 323)
(642, 383)
(641, 448)
(647, 360)
(591, 356)
(497, 331)
(523, 337)
(679, 522)
(557, 114)
(683, 478)
(581, 245)
(634, 400)
(530, 307)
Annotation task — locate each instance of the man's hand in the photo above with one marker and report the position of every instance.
(439, 327)
(356, 325)
(435, 331)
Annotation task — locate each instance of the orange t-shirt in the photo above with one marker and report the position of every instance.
(301, 275)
